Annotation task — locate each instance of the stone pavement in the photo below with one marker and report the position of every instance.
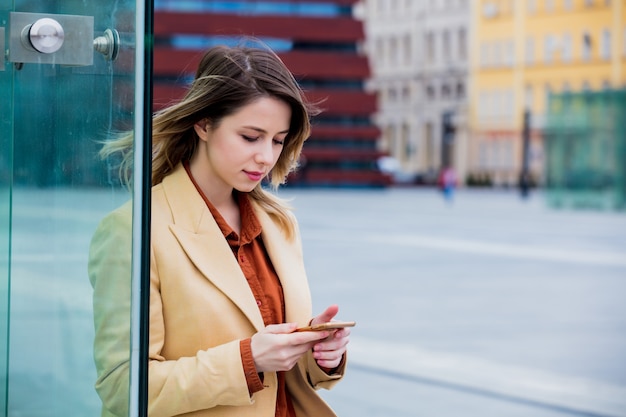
(487, 306)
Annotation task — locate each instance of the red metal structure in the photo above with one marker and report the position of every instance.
(322, 55)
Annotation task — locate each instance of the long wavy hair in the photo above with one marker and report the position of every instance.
(227, 79)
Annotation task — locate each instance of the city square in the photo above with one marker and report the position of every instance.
(488, 305)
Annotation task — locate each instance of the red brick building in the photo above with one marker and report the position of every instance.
(318, 41)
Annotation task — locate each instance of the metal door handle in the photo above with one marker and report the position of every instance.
(57, 39)
(45, 35)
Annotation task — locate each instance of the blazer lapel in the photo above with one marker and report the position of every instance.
(202, 240)
(287, 260)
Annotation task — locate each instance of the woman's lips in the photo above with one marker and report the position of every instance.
(254, 176)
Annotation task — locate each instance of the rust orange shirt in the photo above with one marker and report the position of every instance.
(264, 283)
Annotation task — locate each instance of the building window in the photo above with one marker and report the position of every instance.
(379, 52)
(406, 94)
(528, 97)
(484, 54)
(605, 47)
(509, 104)
(483, 154)
(406, 47)
(430, 47)
(391, 140)
(498, 104)
(393, 51)
(531, 7)
(462, 43)
(382, 93)
(566, 51)
(497, 54)
(588, 3)
(445, 92)
(567, 4)
(406, 142)
(493, 104)
(490, 10)
(509, 53)
(547, 89)
(430, 92)
(393, 95)
(482, 101)
(548, 48)
(460, 91)
(530, 51)
(429, 137)
(445, 45)
(549, 5)
(586, 46)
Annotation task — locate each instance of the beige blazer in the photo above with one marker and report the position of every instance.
(200, 308)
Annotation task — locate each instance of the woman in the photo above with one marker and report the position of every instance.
(228, 286)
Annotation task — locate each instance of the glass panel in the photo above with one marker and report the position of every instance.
(54, 191)
(6, 157)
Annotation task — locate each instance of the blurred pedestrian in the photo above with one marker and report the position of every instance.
(448, 182)
(227, 281)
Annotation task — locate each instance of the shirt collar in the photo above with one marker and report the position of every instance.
(250, 225)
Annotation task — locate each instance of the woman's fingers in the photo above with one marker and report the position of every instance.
(329, 352)
(275, 350)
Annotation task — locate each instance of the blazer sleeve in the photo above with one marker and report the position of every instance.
(320, 379)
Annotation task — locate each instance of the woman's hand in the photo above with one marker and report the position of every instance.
(278, 348)
(329, 352)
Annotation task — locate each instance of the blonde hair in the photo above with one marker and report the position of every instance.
(227, 79)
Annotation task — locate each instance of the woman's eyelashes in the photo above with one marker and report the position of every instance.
(254, 139)
(250, 138)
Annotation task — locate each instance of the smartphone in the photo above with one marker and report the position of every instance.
(326, 326)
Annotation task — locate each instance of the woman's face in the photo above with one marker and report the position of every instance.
(243, 148)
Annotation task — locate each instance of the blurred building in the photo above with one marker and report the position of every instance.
(524, 51)
(419, 54)
(317, 41)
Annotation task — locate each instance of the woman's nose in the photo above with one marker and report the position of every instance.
(265, 153)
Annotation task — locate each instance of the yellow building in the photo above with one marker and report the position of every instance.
(523, 50)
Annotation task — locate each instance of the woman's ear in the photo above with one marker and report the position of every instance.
(202, 129)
